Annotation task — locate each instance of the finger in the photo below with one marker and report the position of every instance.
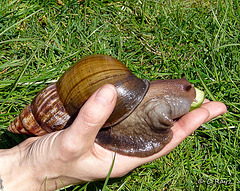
(187, 124)
(215, 108)
(197, 117)
(91, 117)
(206, 101)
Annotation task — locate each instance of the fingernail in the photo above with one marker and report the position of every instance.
(105, 95)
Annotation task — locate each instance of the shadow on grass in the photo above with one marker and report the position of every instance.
(9, 140)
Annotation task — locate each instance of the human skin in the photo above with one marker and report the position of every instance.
(71, 156)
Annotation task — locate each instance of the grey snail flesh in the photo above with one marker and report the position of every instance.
(148, 129)
(144, 127)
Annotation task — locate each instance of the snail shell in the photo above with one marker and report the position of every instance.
(54, 106)
(141, 120)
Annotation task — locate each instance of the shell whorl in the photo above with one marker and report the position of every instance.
(45, 114)
(25, 123)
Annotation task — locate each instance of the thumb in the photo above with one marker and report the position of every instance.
(91, 117)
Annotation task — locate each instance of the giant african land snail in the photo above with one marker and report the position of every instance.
(141, 121)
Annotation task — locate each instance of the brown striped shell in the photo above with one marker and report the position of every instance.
(53, 107)
(89, 77)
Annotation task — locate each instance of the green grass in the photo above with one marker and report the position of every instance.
(156, 39)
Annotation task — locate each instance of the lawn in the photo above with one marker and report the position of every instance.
(156, 39)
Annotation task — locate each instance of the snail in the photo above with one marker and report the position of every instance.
(140, 124)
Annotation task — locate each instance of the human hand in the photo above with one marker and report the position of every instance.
(71, 156)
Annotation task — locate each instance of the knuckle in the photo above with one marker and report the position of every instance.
(67, 151)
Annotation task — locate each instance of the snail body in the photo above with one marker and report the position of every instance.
(141, 121)
(148, 129)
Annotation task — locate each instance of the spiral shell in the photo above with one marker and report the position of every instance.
(54, 107)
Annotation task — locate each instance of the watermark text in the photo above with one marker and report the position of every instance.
(210, 181)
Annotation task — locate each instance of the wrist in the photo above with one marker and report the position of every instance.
(13, 173)
(30, 167)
